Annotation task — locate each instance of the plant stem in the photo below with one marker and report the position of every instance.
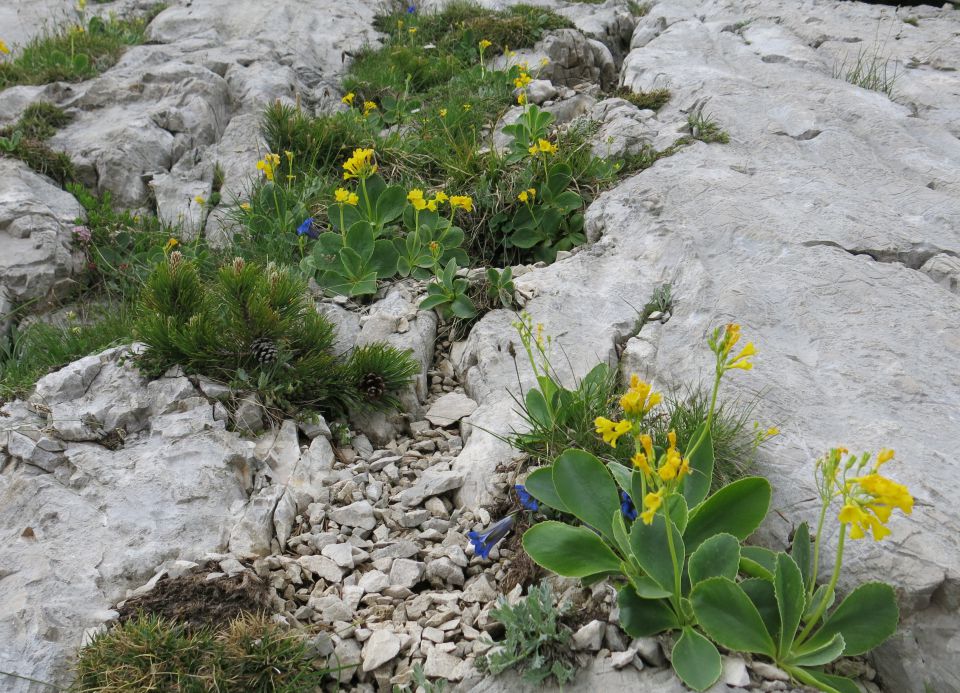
(816, 551)
(830, 587)
(709, 423)
(673, 557)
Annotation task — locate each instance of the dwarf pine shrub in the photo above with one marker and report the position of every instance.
(254, 327)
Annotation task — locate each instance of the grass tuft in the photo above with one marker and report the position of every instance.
(869, 70)
(653, 100)
(24, 140)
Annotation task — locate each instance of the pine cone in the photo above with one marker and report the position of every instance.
(373, 385)
(264, 350)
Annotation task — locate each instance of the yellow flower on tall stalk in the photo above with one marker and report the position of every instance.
(522, 80)
(443, 112)
(611, 431)
(361, 165)
(345, 197)
(640, 398)
(348, 98)
(441, 196)
(522, 98)
(268, 165)
(651, 503)
(170, 245)
(369, 107)
(484, 44)
(415, 198)
(464, 202)
(199, 200)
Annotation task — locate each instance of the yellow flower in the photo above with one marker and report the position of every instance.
(640, 398)
(740, 360)
(199, 200)
(464, 202)
(647, 442)
(432, 205)
(883, 457)
(81, 5)
(546, 147)
(640, 462)
(4, 48)
(523, 196)
(772, 431)
(533, 149)
(484, 44)
(443, 112)
(415, 197)
(245, 206)
(544, 62)
(412, 30)
(611, 430)
(467, 107)
(345, 197)
(522, 98)
(171, 244)
(651, 503)
(521, 80)
(441, 196)
(360, 165)
(369, 107)
(348, 99)
(731, 336)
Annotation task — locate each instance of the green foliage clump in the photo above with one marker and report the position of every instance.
(29, 353)
(537, 642)
(151, 655)
(653, 100)
(24, 140)
(76, 52)
(254, 327)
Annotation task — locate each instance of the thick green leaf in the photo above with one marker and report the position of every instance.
(643, 617)
(761, 593)
(819, 656)
(390, 204)
(539, 484)
(648, 589)
(384, 259)
(728, 616)
(537, 409)
(827, 682)
(622, 474)
(587, 489)
(866, 618)
(569, 551)
(800, 550)
(620, 535)
(652, 550)
(463, 307)
(736, 509)
(718, 556)
(359, 238)
(697, 485)
(813, 603)
(758, 561)
(791, 598)
(677, 507)
(696, 660)
(432, 301)
(526, 237)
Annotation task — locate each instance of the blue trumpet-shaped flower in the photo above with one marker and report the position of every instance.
(306, 228)
(627, 507)
(526, 500)
(484, 541)
(411, 9)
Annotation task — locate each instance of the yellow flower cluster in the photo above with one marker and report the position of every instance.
(443, 112)
(416, 198)
(731, 335)
(345, 197)
(527, 195)
(3, 48)
(368, 108)
(484, 44)
(348, 99)
(611, 430)
(361, 165)
(640, 398)
(869, 500)
(522, 80)
(269, 164)
(464, 202)
(543, 146)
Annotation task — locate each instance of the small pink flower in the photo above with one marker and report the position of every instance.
(82, 233)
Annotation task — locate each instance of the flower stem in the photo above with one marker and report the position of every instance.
(709, 423)
(816, 551)
(826, 595)
(673, 558)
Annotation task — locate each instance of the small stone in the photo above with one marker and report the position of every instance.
(769, 672)
(649, 650)
(374, 581)
(450, 408)
(590, 636)
(481, 589)
(434, 634)
(321, 566)
(359, 514)
(406, 573)
(614, 640)
(442, 665)
(380, 648)
(347, 655)
(735, 672)
(231, 567)
(443, 569)
(341, 554)
(431, 484)
(621, 659)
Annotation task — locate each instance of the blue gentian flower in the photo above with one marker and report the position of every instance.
(411, 9)
(526, 500)
(306, 229)
(626, 506)
(484, 541)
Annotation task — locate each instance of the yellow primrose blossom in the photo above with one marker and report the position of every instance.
(647, 443)
(412, 30)
(441, 196)
(883, 457)
(464, 202)
(268, 164)
(773, 431)
(81, 5)
(4, 48)
(348, 99)
(345, 197)
(415, 197)
(869, 500)
(467, 107)
(639, 399)
(651, 502)
(199, 200)
(641, 462)
(522, 98)
(369, 107)
(675, 466)
(544, 62)
(547, 147)
(484, 44)
(740, 360)
(432, 204)
(523, 196)
(522, 80)
(170, 245)
(611, 430)
(443, 112)
(361, 165)
(245, 206)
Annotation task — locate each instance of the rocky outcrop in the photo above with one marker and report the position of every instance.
(812, 228)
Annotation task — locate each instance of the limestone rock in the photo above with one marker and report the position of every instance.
(450, 408)
(382, 646)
